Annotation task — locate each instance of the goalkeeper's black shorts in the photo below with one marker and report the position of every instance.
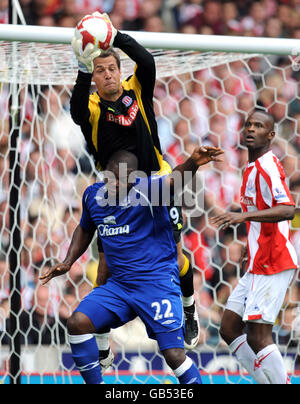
(175, 214)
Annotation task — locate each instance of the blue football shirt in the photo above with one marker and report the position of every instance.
(136, 234)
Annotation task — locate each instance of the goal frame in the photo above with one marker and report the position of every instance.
(155, 40)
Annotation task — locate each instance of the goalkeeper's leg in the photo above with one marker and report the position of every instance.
(192, 327)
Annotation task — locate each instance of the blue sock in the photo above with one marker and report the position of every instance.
(187, 373)
(85, 354)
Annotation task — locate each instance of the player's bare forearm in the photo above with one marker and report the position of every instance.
(199, 157)
(81, 240)
(273, 215)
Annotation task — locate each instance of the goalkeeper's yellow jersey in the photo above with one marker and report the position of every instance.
(126, 124)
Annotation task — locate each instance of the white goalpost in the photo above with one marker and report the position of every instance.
(206, 86)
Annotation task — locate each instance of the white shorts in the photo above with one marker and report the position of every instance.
(259, 298)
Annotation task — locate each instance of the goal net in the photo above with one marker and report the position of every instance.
(200, 98)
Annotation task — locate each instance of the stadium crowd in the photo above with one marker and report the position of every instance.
(208, 108)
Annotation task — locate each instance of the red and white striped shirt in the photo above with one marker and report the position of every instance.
(270, 250)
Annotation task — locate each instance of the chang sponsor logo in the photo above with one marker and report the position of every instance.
(107, 231)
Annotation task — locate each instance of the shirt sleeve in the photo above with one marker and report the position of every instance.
(149, 190)
(86, 221)
(158, 190)
(79, 102)
(275, 190)
(145, 69)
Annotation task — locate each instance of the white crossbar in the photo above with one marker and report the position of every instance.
(154, 40)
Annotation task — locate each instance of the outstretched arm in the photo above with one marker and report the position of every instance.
(199, 157)
(80, 241)
(81, 91)
(273, 215)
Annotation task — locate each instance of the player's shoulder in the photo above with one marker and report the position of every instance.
(149, 186)
(158, 176)
(91, 191)
(271, 164)
(94, 98)
(149, 179)
(157, 179)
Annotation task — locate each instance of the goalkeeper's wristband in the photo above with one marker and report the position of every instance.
(82, 67)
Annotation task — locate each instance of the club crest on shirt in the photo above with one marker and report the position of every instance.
(279, 193)
(109, 220)
(127, 101)
(124, 120)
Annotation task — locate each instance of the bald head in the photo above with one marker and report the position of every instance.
(259, 132)
(123, 157)
(266, 117)
(118, 173)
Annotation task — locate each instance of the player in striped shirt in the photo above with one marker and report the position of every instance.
(271, 259)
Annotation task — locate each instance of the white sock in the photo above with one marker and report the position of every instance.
(78, 339)
(102, 341)
(187, 301)
(183, 367)
(247, 358)
(272, 364)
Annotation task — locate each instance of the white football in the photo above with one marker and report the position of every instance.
(96, 30)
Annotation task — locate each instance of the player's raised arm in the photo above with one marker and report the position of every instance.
(85, 57)
(145, 65)
(199, 157)
(80, 98)
(81, 91)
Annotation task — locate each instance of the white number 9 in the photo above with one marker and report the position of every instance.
(174, 215)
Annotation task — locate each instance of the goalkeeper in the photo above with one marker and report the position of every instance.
(120, 116)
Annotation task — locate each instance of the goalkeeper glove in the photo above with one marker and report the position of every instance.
(85, 58)
(106, 17)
